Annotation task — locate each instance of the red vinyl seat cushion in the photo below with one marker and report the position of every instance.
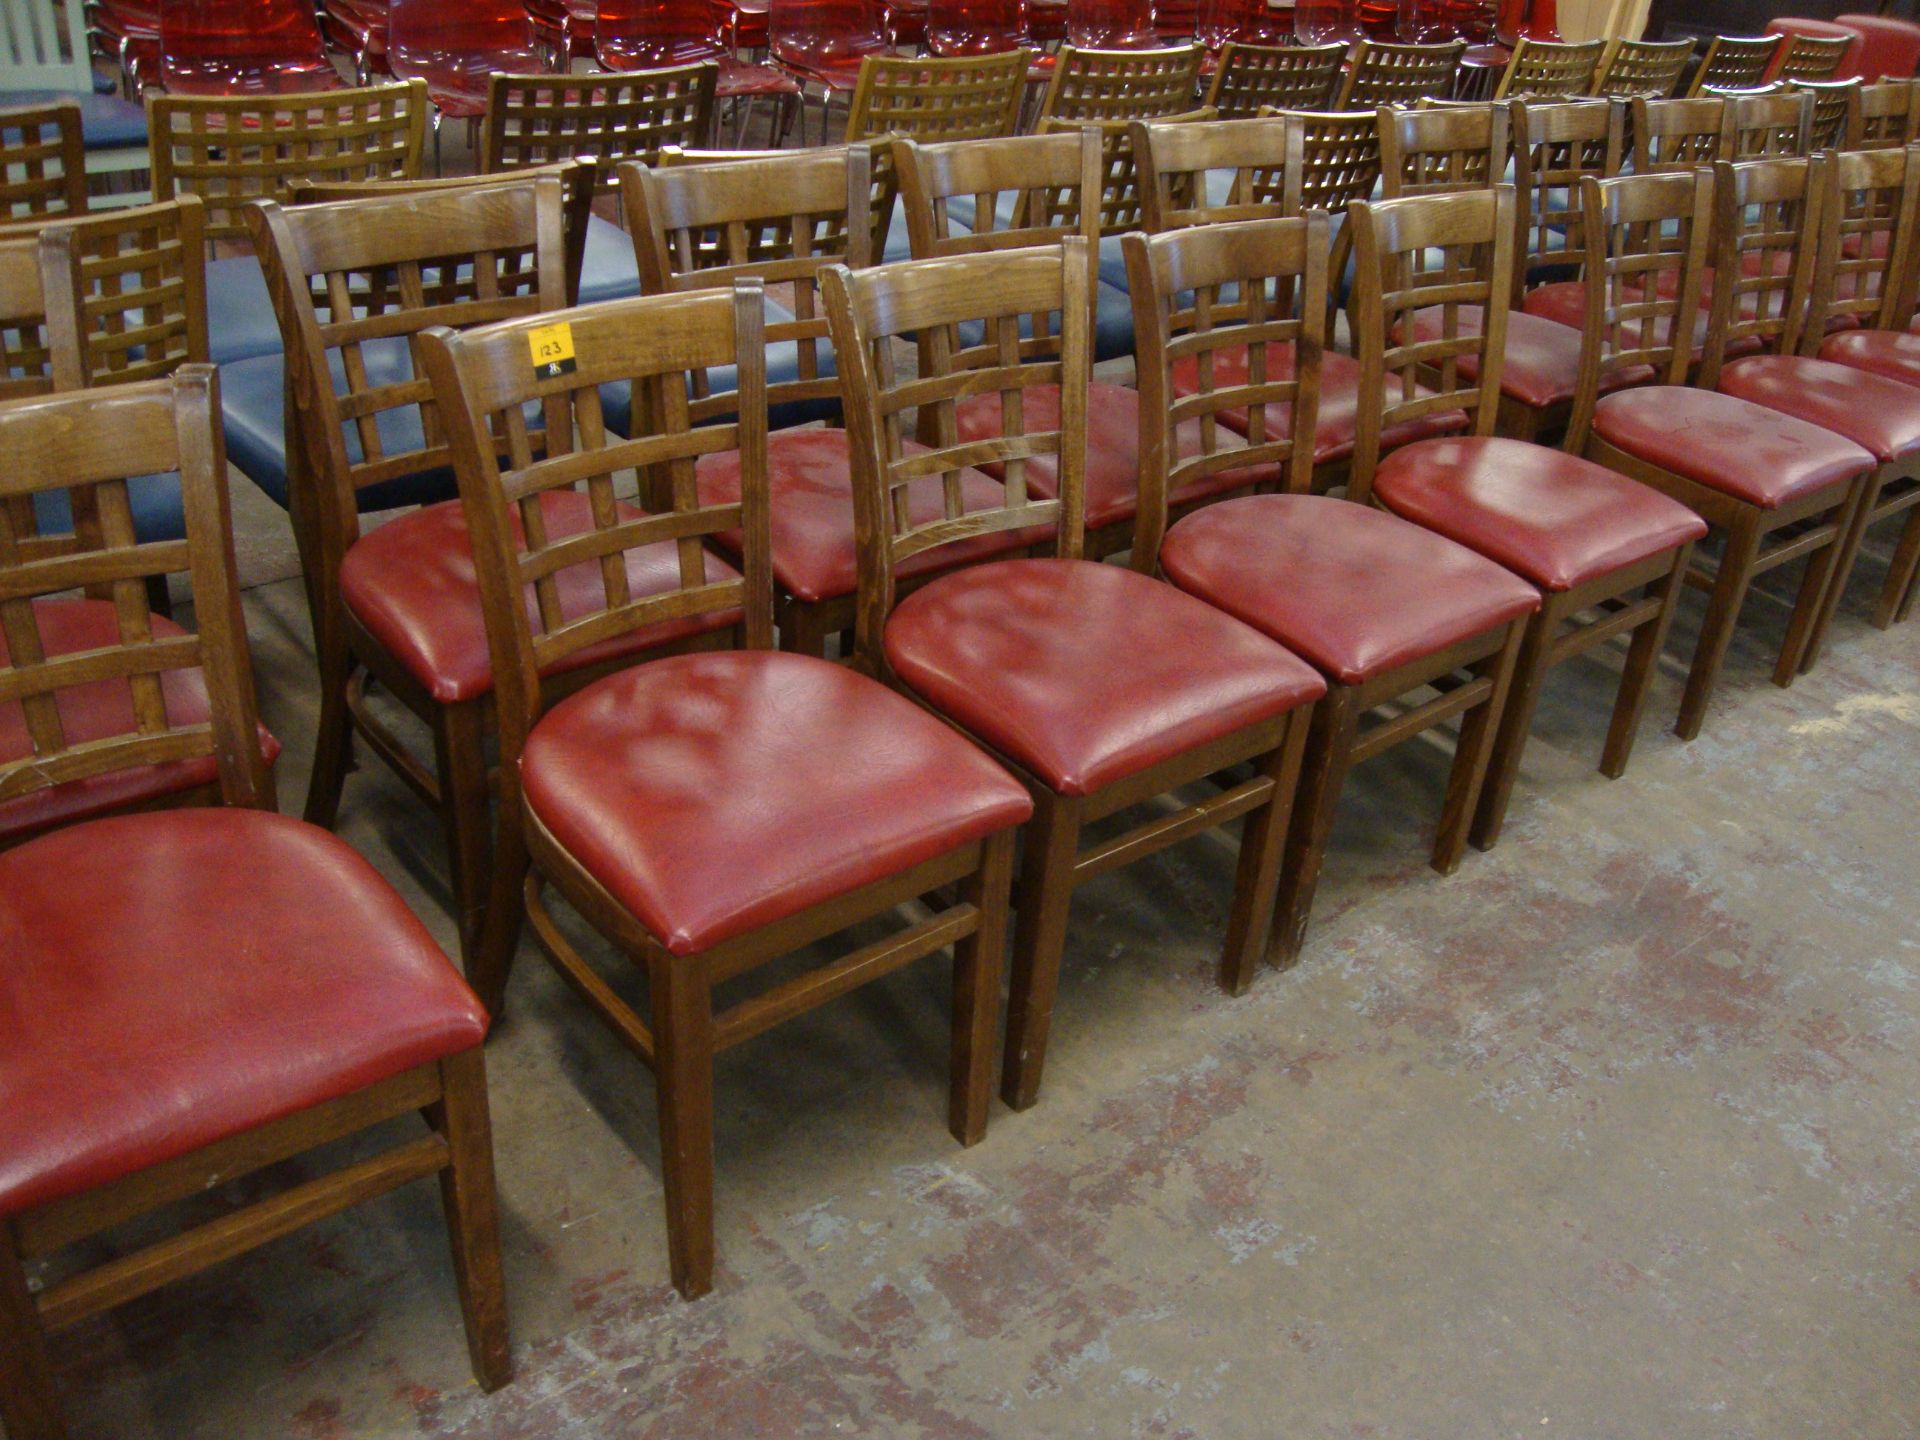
(1876, 413)
(1085, 673)
(1354, 590)
(1542, 360)
(811, 478)
(716, 793)
(169, 980)
(1551, 517)
(1748, 451)
(1894, 354)
(96, 711)
(411, 583)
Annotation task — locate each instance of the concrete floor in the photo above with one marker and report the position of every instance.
(1615, 1133)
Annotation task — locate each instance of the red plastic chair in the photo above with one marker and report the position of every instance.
(1111, 25)
(1176, 20)
(1047, 20)
(647, 34)
(455, 47)
(977, 27)
(1889, 47)
(825, 40)
(1319, 22)
(1251, 22)
(242, 47)
(907, 22)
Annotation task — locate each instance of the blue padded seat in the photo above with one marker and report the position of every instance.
(158, 511)
(608, 271)
(107, 122)
(240, 319)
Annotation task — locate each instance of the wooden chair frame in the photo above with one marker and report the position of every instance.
(1736, 62)
(1248, 79)
(1770, 122)
(1634, 318)
(26, 349)
(967, 97)
(1837, 122)
(43, 162)
(1097, 85)
(99, 439)
(1386, 74)
(1650, 69)
(870, 313)
(1555, 146)
(1266, 156)
(661, 344)
(602, 118)
(1542, 69)
(1812, 57)
(1679, 135)
(1889, 115)
(234, 150)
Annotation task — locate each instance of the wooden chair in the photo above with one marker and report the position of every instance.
(43, 162)
(1671, 136)
(1241, 307)
(1736, 62)
(1770, 122)
(708, 814)
(1441, 150)
(1555, 147)
(1229, 170)
(26, 351)
(1650, 69)
(1388, 74)
(966, 97)
(1431, 277)
(1888, 115)
(1099, 687)
(1248, 79)
(1096, 85)
(138, 940)
(535, 120)
(1812, 57)
(1750, 472)
(1121, 207)
(1339, 158)
(1541, 69)
(1837, 123)
(1768, 217)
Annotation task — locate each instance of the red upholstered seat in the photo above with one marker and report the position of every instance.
(1552, 517)
(1748, 451)
(1876, 413)
(1087, 673)
(411, 582)
(713, 794)
(1338, 415)
(810, 475)
(172, 979)
(1542, 365)
(95, 712)
(1889, 47)
(1355, 590)
(1113, 449)
(1894, 354)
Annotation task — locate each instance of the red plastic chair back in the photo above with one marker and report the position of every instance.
(455, 46)
(826, 35)
(1249, 21)
(634, 34)
(242, 47)
(976, 27)
(1111, 24)
(1527, 19)
(1320, 22)
(1176, 21)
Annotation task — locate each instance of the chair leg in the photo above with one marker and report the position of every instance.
(1516, 724)
(1716, 630)
(1263, 844)
(1044, 897)
(978, 962)
(1823, 582)
(1474, 750)
(491, 963)
(1643, 658)
(461, 758)
(803, 634)
(473, 1221)
(1896, 596)
(29, 1404)
(1323, 772)
(333, 742)
(682, 998)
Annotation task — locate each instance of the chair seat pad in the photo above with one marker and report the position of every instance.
(1542, 361)
(1338, 415)
(170, 980)
(713, 794)
(95, 712)
(608, 269)
(810, 475)
(411, 583)
(1892, 353)
(1553, 518)
(1113, 449)
(1876, 413)
(1354, 590)
(241, 324)
(107, 121)
(1751, 452)
(1083, 673)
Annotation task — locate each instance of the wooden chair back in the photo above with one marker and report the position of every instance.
(1543, 69)
(1836, 122)
(1813, 57)
(1435, 151)
(1389, 74)
(1649, 69)
(1437, 253)
(1555, 147)
(43, 161)
(1121, 207)
(1863, 257)
(1263, 156)
(1889, 115)
(1736, 62)
(1096, 85)
(779, 220)
(26, 355)
(872, 312)
(1766, 215)
(1256, 288)
(126, 293)
(236, 149)
(1339, 157)
(1770, 122)
(1670, 135)
(89, 445)
(1248, 79)
(355, 284)
(1647, 238)
(966, 97)
(487, 383)
(602, 118)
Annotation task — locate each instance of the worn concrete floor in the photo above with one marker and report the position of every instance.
(1613, 1134)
